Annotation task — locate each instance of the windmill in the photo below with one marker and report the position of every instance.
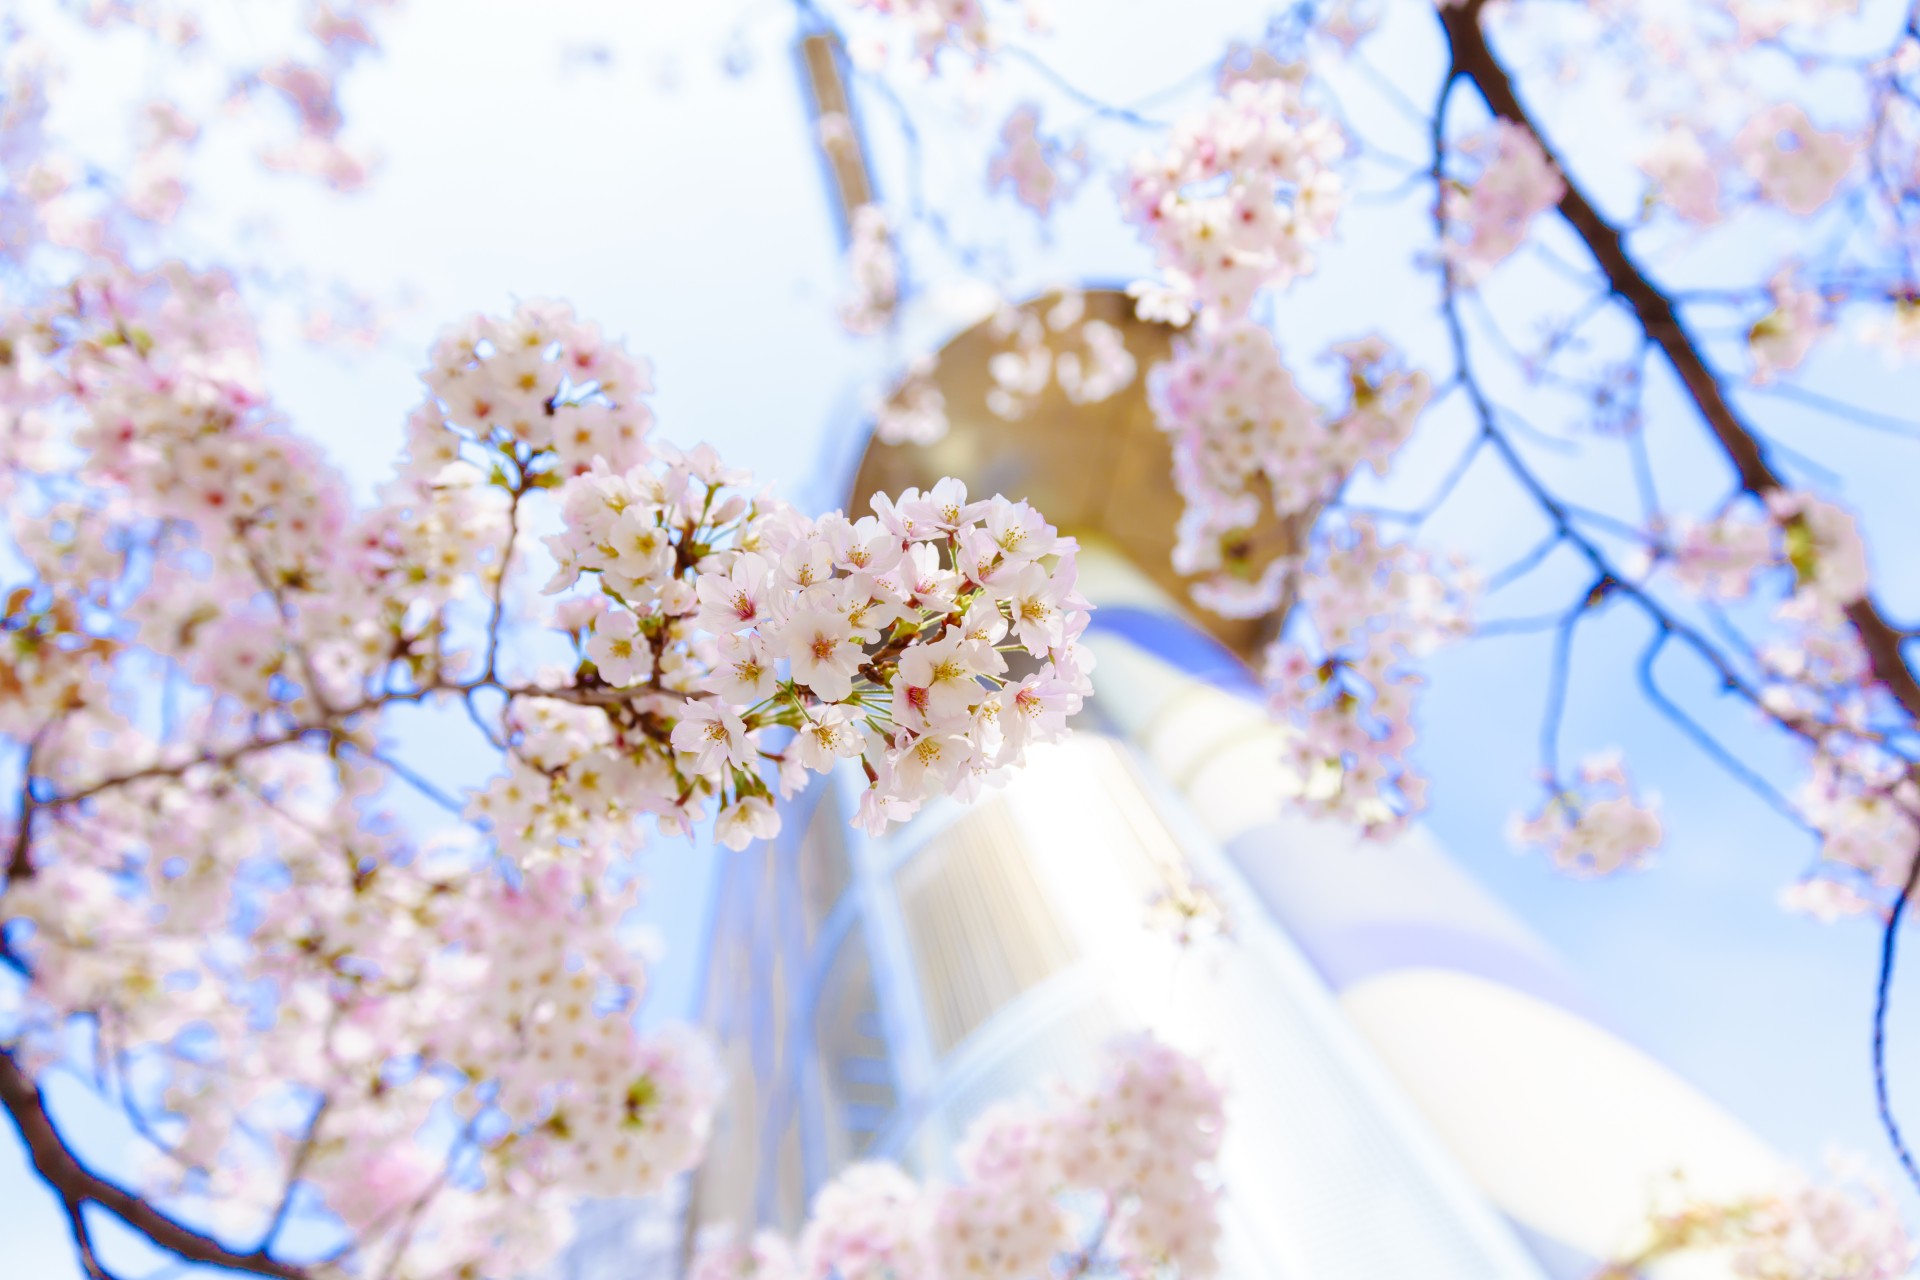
(1418, 1088)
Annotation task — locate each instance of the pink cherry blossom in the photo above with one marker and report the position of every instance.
(1781, 339)
(1488, 218)
(1596, 826)
(1684, 175)
(1134, 1153)
(1236, 201)
(1039, 170)
(1797, 166)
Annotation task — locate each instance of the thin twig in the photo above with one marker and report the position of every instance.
(413, 779)
(1558, 674)
(295, 1170)
(1841, 410)
(1882, 991)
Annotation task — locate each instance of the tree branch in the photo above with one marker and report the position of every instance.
(1473, 59)
(78, 1186)
(83, 1238)
(1882, 992)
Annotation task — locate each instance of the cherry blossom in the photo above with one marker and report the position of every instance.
(1719, 558)
(1801, 532)
(765, 1257)
(873, 270)
(1247, 442)
(1683, 174)
(478, 974)
(888, 630)
(62, 195)
(212, 896)
(1897, 332)
(1117, 1176)
(1596, 826)
(1489, 217)
(1039, 169)
(1823, 545)
(1367, 611)
(1764, 19)
(1252, 452)
(1249, 447)
(1846, 1229)
(1237, 200)
(1824, 898)
(1867, 811)
(936, 26)
(1797, 166)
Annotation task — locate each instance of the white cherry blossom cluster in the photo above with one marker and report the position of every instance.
(1116, 1179)
(1240, 425)
(1824, 547)
(1684, 175)
(433, 1036)
(1718, 559)
(1845, 1229)
(1343, 673)
(1897, 330)
(1597, 825)
(1795, 165)
(1236, 201)
(1233, 205)
(1812, 678)
(1826, 1232)
(1039, 169)
(938, 25)
(873, 273)
(333, 1007)
(718, 1255)
(1249, 446)
(1764, 19)
(1731, 132)
(1867, 810)
(540, 383)
(563, 1097)
(967, 27)
(1858, 793)
(1817, 539)
(1488, 218)
(740, 626)
(1780, 340)
(223, 902)
(60, 194)
(237, 526)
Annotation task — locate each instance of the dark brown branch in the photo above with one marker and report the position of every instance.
(78, 1186)
(1473, 59)
(20, 861)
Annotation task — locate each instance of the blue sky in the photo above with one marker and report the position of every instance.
(671, 192)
